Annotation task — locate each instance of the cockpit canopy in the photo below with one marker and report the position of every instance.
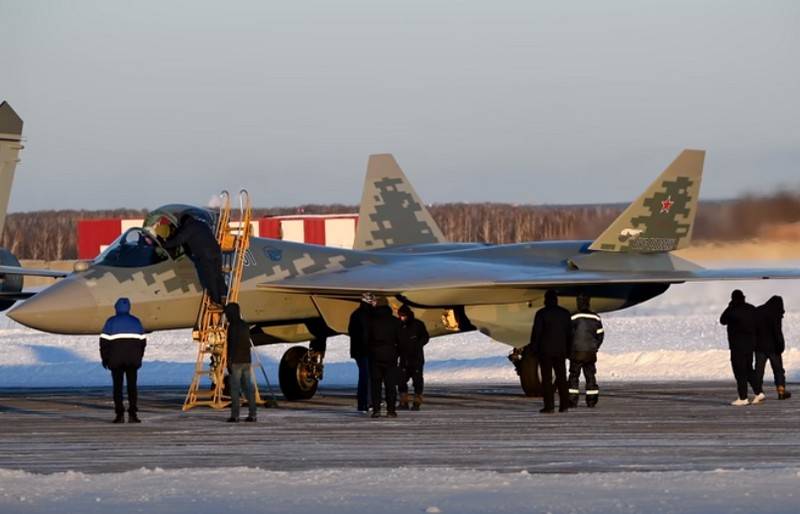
(139, 246)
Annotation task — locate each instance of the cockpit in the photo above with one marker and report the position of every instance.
(141, 246)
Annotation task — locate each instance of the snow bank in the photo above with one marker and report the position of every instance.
(400, 490)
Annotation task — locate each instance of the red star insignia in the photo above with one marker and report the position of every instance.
(666, 205)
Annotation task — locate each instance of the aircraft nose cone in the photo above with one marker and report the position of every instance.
(66, 307)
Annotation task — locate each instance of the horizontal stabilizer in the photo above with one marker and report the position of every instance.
(662, 218)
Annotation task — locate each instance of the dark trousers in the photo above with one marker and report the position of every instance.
(413, 373)
(383, 374)
(209, 272)
(363, 391)
(742, 364)
(550, 365)
(776, 363)
(129, 374)
(241, 378)
(589, 368)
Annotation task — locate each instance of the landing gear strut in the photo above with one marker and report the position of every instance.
(300, 372)
(527, 367)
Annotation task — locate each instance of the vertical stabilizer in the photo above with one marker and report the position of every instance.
(10, 145)
(391, 213)
(662, 218)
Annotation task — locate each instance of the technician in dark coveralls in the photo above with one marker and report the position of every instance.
(201, 246)
(770, 344)
(383, 343)
(413, 337)
(740, 318)
(551, 342)
(122, 345)
(358, 330)
(239, 361)
(587, 336)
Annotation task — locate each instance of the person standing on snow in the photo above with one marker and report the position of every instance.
(358, 330)
(770, 344)
(413, 337)
(122, 345)
(740, 319)
(383, 341)
(239, 364)
(551, 342)
(587, 336)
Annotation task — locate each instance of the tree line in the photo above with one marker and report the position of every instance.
(52, 235)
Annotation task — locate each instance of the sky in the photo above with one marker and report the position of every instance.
(138, 104)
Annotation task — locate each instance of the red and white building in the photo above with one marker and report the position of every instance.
(337, 230)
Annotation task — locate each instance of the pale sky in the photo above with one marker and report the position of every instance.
(137, 104)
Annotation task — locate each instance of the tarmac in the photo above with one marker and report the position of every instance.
(673, 426)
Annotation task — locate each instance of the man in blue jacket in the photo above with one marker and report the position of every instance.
(122, 345)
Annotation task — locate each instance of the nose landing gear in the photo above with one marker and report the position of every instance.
(300, 372)
(527, 366)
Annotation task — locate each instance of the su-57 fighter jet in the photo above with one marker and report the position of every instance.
(11, 274)
(295, 292)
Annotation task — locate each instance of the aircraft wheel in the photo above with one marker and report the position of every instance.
(530, 375)
(297, 381)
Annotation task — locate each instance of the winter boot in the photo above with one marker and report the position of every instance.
(760, 397)
(120, 418)
(783, 394)
(573, 400)
(133, 418)
(404, 401)
(591, 401)
(417, 402)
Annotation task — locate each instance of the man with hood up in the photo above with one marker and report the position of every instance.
(239, 364)
(122, 345)
(740, 318)
(551, 342)
(770, 344)
(201, 246)
(413, 337)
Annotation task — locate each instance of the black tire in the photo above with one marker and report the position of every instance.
(294, 385)
(530, 377)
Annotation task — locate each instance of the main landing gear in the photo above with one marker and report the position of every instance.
(527, 367)
(300, 372)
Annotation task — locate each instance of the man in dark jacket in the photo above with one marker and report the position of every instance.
(740, 318)
(770, 344)
(587, 336)
(413, 337)
(358, 330)
(200, 244)
(551, 342)
(240, 373)
(383, 341)
(122, 345)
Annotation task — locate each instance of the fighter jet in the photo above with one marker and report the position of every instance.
(11, 273)
(294, 292)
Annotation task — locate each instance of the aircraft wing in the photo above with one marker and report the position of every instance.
(32, 272)
(404, 278)
(22, 295)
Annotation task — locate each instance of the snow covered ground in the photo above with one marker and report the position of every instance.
(675, 336)
(400, 490)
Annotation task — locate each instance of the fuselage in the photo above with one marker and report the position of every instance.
(166, 295)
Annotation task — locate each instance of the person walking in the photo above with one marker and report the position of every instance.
(239, 364)
(770, 344)
(383, 342)
(551, 342)
(413, 337)
(122, 345)
(587, 336)
(740, 319)
(358, 330)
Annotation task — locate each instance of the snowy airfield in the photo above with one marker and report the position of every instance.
(674, 339)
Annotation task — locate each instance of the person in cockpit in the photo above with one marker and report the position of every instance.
(200, 244)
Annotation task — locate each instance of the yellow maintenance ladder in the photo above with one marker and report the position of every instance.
(211, 329)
